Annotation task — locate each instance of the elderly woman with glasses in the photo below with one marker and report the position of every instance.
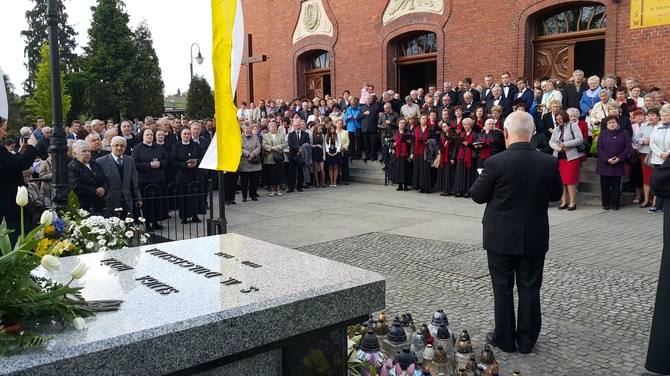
(87, 179)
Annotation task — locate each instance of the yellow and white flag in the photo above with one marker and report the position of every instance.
(228, 45)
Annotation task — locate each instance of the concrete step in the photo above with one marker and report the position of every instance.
(362, 177)
(594, 199)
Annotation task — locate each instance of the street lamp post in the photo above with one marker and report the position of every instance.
(199, 59)
(58, 145)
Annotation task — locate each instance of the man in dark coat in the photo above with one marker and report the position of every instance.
(517, 186)
(124, 184)
(11, 170)
(572, 92)
(369, 117)
(295, 140)
(657, 353)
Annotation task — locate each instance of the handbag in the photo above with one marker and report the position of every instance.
(436, 161)
(299, 161)
(584, 146)
(633, 157)
(278, 156)
(255, 160)
(647, 160)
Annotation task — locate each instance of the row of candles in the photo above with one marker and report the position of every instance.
(403, 349)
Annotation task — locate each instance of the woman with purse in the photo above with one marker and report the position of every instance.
(273, 162)
(567, 142)
(333, 148)
(613, 147)
(250, 163)
(643, 139)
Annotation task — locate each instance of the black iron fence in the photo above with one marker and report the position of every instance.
(168, 211)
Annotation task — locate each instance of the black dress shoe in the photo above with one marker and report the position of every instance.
(399, 187)
(254, 199)
(158, 226)
(196, 219)
(244, 199)
(459, 194)
(467, 195)
(422, 191)
(615, 208)
(233, 202)
(289, 191)
(606, 208)
(562, 207)
(490, 341)
(299, 190)
(571, 208)
(405, 189)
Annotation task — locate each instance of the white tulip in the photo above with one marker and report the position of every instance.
(47, 218)
(79, 270)
(79, 323)
(22, 196)
(50, 263)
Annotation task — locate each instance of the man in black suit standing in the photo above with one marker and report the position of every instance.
(523, 92)
(572, 92)
(295, 140)
(517, 186)
(497, 99)
(509, 89)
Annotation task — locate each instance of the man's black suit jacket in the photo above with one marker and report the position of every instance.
(294, 143)
(517, 186)
(504, 103)
(572, 96)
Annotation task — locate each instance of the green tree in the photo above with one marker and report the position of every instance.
(200, 99)
(37, 35)
(77, 85)
(147, 82)
(16, 106)
(107, 62)
(39, 103)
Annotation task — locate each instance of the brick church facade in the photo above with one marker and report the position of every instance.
(317, 47)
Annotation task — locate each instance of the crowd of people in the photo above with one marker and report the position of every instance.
(436, 140)
(431, 141)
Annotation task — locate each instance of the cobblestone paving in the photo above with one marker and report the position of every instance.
(596, 319)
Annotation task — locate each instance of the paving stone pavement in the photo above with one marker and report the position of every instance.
(599, 281)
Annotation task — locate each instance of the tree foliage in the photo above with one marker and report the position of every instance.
(37, 35)
(39, 103)
(107, 63)
(147, 82)
(77, 86)
(200, 99)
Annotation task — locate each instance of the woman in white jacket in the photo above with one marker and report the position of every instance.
(660, 148)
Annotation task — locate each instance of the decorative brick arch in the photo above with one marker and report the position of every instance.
(314, 43)
(299, 63)
(389, 70)
(527, 15)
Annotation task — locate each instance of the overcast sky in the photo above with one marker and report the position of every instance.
(174, 25)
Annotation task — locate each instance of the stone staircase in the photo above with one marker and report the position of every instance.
(588, 190)
(369, 172)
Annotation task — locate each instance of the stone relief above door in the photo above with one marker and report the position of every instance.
(398, 8)
(313, 20)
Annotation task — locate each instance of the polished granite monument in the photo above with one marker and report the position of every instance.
(224, 304)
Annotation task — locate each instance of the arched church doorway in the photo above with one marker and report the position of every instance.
(416, 61)
(570, 38)
(317, 79)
